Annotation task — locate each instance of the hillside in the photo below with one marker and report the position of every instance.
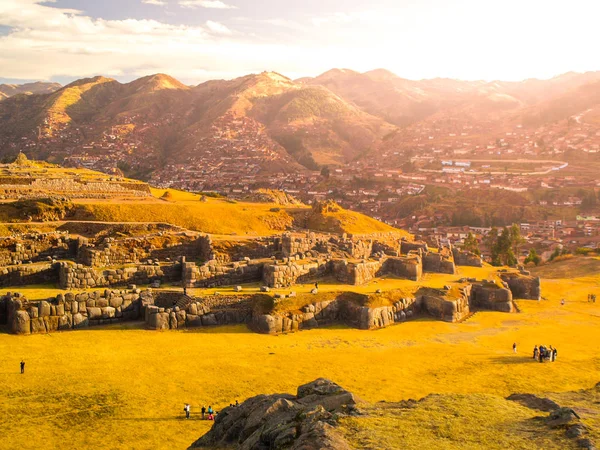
(402, 102)
(38, 87)
(156, 120)
(33, 191)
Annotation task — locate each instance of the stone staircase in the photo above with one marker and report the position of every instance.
(168, 299)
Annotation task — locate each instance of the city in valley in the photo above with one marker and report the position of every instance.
(326, 225)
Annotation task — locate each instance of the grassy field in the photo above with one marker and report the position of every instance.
(124, 387)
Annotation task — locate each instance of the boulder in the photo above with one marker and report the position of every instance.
(21, 323)
(307, 421)
(94, 313)
(80, 321)
(209, 320)
(158, 321)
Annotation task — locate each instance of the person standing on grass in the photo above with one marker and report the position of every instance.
(562, 302)
(203, 411)
(554, 354)
(515, 347)
(186, 408)
(22, 366)
(535, 352)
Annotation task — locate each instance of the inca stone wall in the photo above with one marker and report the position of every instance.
(407, 247)
(34, 247)
(356, 273)
(116, 252)
(278, 275)
(438, 263)
(324, 313)
(465, 258)
(410, 267)
(74, 311)
(488, 295)
(213, 274)
(293, 244)
(78, 276)
(27, 274)
(447, 309)
(202, 312)
(522, 286)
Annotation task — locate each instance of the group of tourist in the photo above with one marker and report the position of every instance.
(591, 298)
(207, 413)
(544, 353)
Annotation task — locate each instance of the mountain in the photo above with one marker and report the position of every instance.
(38, 87)
(293, 124)
(262, 124)
(403, 102)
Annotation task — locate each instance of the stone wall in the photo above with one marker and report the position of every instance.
(214, 274)
(357, 248)
(356, 273)
(78, 276)
(409, 267)
(226, 251)
(418, 246)
(465, 258)
(278, 275)
(522, 286)
(26, 274)
(35, 247)
(74, 311)
(201, 312)
(163, 246)
(487, 295)
(438, 263)
(440, 306)
(293, 244)
(340, 310)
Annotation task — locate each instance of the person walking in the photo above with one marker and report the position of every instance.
(203, 411)
(515, 347)
(186, 408)
(22, 366)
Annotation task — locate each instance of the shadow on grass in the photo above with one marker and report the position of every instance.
(516, 359)
(179, 418)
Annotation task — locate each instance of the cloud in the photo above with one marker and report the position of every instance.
(154, 2)
(211, 4)
(218, 28)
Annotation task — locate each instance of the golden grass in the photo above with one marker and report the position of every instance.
(579, 266)
(124, 387)
(214, 216)
(454, 421)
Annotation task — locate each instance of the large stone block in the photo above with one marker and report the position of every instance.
(21, 323)
(108, 312)
(94, 313)
(80, 321)
(44, 309)
(209, 320)
(158, 321)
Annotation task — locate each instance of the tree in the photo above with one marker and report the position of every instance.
(516, 238)
(533, 257)
(471, 244)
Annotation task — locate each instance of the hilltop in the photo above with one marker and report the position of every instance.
(38, 87)
(294, 125)
(38, 191)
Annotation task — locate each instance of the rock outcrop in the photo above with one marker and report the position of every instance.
(522, 286)
(305, 421)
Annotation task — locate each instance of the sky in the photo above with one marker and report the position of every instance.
(198, 40)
